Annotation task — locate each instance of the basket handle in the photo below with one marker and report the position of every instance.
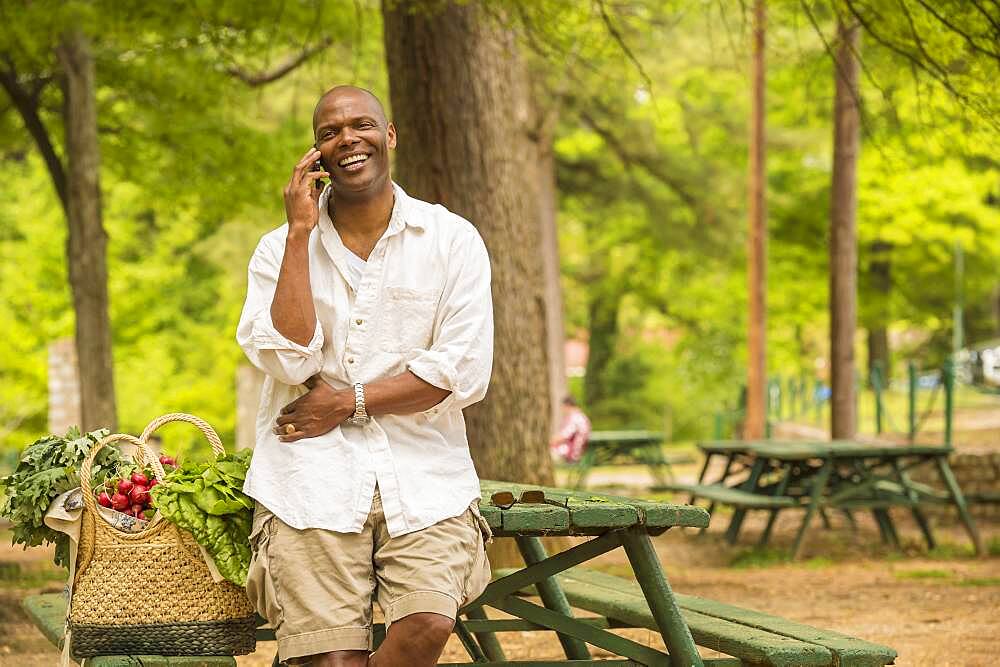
(203, 426)
(143, 452)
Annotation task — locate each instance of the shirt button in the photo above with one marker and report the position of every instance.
(350, 360)
(358, 322)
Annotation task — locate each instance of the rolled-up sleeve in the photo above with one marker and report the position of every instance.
(460, 358)
(279, 357)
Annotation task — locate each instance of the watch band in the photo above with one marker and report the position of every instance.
(360, 413)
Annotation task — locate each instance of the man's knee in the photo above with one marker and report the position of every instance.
(424, 629)
(334, 659)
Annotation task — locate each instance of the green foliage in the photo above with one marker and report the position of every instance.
(651, 167)
(193, 160)
(207, 500)
(47, 468)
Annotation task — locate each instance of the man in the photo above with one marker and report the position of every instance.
(370, 312)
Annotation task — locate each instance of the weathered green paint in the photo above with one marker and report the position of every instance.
(617, 598)
(552, 596)
(48, 613)
(661, 603)
(588, 588)
(815, 494)
(588, 513)
(948, 477)
(779, 492)
(484, 635)
(469, 642)
(733, 531)
(735, 497)
(532, 574)
(644, 655)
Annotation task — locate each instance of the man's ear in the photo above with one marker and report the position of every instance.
(391, 132)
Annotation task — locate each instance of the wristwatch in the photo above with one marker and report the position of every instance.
(360, 416)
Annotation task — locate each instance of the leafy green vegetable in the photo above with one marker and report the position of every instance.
(207, 500)
(48, 467)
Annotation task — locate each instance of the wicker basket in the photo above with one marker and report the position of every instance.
(151, 592)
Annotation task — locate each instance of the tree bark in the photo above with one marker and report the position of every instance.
(460, 102)
(843, 234)
(754, 424)
(87, 241)
(879, 288)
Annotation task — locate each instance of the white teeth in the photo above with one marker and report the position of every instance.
(352, 159)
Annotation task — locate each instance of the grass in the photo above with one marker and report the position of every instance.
(980, 581)
(951, 550)
(922, 574)
(759, 557)
(18, 575)
(993, 546)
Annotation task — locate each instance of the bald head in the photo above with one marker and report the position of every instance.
(338, 93)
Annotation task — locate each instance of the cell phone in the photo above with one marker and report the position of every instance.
(319, 165)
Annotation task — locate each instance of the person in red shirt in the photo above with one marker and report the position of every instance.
(574, 432)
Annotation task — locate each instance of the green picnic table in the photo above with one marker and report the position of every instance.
(816, 476)
(624, 448)
(746, 637)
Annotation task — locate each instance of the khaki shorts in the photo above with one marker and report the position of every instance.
(316, 587)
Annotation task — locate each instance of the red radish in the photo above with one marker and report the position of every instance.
(136, 508)
(142, 515)
(104, 499)
(168, 461)
(153, 482)
(124, 486)
(139, 494)
(120, 502)
(139, 479)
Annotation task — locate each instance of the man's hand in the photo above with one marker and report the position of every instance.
(319, 411)
(301, 194)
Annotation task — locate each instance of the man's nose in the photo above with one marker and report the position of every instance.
(348, 137)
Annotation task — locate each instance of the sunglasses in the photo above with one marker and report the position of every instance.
(505, 499)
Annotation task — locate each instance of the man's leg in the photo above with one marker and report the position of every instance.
(424, 577)
(416, 640)
(333, 659)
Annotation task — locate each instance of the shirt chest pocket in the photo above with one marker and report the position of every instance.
(407, 319)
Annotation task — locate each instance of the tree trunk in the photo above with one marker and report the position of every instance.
(879, 288)
(843, 234)
(86, 245)
(754, 424)
(461, 105)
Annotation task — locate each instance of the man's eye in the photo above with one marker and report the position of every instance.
(366, 125)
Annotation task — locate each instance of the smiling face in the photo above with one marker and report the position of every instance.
(354, 138)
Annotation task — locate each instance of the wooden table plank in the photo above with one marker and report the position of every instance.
(589, 513)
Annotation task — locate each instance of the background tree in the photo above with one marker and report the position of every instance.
(460, 100)
(753, 428)
(843, 234)
(42, 45)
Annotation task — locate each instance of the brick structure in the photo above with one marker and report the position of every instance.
(64, 386)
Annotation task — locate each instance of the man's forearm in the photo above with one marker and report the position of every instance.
(402, 394)
(292, 309)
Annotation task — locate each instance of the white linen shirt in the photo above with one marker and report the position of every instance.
(423, 304)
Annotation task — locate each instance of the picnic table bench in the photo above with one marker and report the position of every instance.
(625, 448)
(610, 522)
(841, 475)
